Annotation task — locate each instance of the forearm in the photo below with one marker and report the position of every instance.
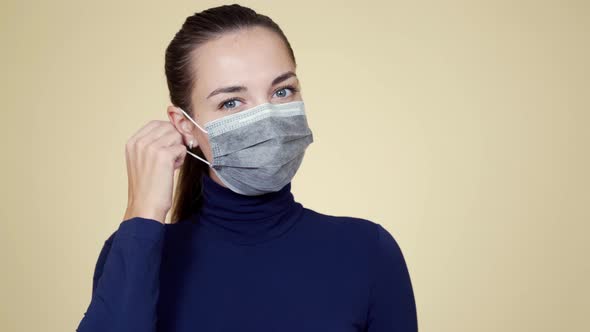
(126, 295)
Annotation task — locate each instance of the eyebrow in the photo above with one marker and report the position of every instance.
(241, 88)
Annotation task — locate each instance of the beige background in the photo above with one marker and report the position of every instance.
(462, 127)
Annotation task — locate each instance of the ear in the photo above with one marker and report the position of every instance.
(182, 125)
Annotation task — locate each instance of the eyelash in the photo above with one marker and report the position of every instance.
(291, 87)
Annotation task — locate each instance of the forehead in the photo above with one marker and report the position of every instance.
(251, 57)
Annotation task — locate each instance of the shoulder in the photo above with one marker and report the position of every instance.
(354, 230)
(361, 240)
(359, 232)
(358, 225)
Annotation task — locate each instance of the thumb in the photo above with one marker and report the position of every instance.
(179, 153)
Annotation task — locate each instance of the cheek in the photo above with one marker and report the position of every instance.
(204, 143)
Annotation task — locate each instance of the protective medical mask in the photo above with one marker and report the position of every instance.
(258, 150)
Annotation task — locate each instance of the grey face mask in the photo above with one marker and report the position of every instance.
(260, 149)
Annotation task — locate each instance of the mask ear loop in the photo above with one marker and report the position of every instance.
(201, 159)
(193, 121)
(191, 145)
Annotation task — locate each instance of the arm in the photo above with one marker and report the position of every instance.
(392, 305)
(126, 279)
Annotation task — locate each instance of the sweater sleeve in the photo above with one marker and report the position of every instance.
(125, 285)
(392, 305)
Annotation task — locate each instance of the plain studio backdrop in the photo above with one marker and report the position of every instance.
(460, 126)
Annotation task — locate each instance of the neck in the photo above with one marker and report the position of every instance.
(246, 219)
(215, 178)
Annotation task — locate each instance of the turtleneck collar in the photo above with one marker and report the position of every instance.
(246, 219)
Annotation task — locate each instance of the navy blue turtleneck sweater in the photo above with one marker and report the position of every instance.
(251, 263)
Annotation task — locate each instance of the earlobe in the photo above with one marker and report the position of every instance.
(192, 142)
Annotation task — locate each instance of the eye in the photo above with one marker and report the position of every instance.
(230, 103)
(284, 88)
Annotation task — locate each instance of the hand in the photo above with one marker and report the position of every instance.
(153, 154)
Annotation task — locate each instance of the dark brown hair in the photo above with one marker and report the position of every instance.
(182, 77)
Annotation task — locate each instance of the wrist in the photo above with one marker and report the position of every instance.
(133, 211)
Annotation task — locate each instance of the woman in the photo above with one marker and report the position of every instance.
(243, 255)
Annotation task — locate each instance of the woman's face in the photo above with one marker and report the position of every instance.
(236, 72)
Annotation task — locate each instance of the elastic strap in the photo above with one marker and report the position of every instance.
(201, 159)
(193, 121)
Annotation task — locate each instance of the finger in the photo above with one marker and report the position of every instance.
(171, 137)
(156, 133)
(144, 130)
(178, 152)
(179, 161)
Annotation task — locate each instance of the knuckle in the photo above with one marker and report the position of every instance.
(128, 145)
(139, 144)
(131, 145)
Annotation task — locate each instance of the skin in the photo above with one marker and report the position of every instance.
(251, 57)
